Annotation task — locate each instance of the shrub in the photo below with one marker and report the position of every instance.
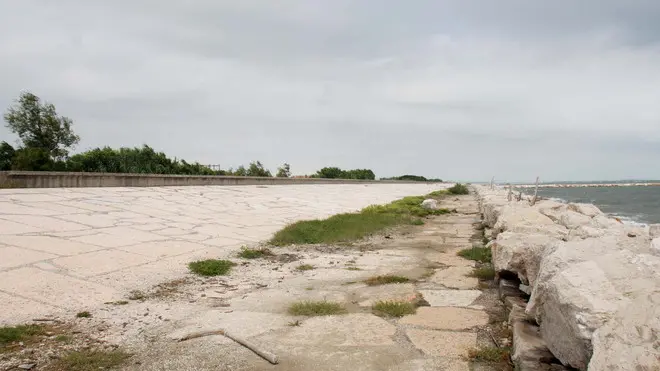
(459, 189)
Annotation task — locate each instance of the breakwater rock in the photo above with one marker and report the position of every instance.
(593, 283)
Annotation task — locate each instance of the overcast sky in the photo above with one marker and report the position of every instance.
(457, 89)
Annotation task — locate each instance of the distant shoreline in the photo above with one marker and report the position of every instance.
(585, 185)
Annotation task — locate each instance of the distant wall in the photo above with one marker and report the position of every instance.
(47, 179)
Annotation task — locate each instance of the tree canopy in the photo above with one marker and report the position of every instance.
(38, 125)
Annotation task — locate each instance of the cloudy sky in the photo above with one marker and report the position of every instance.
(458, 89)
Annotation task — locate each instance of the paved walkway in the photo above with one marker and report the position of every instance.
(62, 250)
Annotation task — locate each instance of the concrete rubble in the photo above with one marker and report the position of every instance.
(594, 282)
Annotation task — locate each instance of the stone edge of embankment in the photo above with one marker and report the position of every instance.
(592, 282)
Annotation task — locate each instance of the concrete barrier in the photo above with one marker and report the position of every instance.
(48, 179)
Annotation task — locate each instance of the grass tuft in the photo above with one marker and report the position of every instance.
(316, 308)
(63, 338)
(384, 280)
(305, 267)
(84, 314)
(490, 354)
(18, 333)
(393, 308)
(92, 360)
(211, 267)
(484, 273)
(247, 253)
(477, 253)
(417, 222)
(354, 226)
(459, 189)
(353, 269)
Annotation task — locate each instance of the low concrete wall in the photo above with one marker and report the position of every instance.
(46, 179)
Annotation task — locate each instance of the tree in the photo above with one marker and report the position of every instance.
(240, 171)
(7, 153)
(284, 171)
(329, 173)
(257, 169)
(38, 126)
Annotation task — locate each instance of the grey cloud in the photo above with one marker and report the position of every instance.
(454, 89)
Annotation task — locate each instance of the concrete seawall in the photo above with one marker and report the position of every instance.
(591, 283)
(47, 179)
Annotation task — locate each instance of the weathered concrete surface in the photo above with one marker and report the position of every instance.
(583, 283)
(65, 250)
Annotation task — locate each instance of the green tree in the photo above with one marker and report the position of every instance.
(284, 171)
(38, 126)
(240, 171)
(329, 173)
(7, 153)
(257, 169)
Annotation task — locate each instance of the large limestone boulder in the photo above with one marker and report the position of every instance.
(430, 204)
(551, 209)
(655, 246)
(521, 254)
(572, 219)
(630, 341)
(525, 219)
(583, 284)
(654, 230)
(585, 209)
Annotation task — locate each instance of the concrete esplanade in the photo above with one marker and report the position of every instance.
(68, 249)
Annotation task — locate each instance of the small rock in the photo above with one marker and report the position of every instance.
(632, 234)
(27, 366)
(430, 204)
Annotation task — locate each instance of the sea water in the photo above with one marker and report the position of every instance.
(639, 204)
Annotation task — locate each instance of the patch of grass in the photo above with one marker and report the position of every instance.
(137, 295)
(247, 253)
(459, 189)
(211, 267)
(9, 335)
(305, 267)
(348, 227)
(310, 288)
(316, 308)
(92, 360)
(490, 354)
(294, 323)
(84, 314)
(484, 273)
(384, 280)
(477, 253)
(393, 308)
(63, 338)
(353, 269)
(417, 222)
(436, 194)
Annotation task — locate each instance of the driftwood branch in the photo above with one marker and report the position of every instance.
(536, 192)
(268, 356)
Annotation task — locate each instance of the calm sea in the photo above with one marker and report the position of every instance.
(640, 204)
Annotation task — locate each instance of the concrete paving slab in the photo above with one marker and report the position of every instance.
(443, 343)
(357, 329)
(100, 262)
(15, 257)
(450, 298)
(49, 244)
(455, 278)
(53, 288)
(446, 318)
(164, 248)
